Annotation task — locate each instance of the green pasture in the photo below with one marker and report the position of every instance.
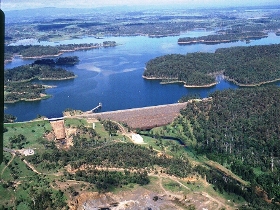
(33, 131)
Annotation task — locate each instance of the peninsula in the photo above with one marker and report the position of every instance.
(24, 91)
(245, 66)
(40, 51)
(18, 84)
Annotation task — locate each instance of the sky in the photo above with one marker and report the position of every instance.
(27, 4)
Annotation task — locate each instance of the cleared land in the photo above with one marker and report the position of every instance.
(143, 118)
(58, 128)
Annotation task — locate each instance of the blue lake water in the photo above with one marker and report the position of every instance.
(113, 76)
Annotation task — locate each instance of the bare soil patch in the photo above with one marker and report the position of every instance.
(58, 128)
(153, 196)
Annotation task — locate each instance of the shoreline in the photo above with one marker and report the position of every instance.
(56, 79)
(212, 84)
(206, 42)
(61, 52)
(40, 56)
(251, 85)
(177, 81)
(201, 86)
(202, 41)
(45, 79)
(45, 96)
(170, 82)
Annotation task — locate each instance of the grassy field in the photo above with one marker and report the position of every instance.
(73, 122)
(33, 131)
(173, 186)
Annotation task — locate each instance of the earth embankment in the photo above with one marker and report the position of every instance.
(143, 118)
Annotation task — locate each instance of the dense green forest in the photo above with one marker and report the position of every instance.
(35, 71)
(244, 65)
(219, 38)
(252, 64)
(70, 60)
(239, 129)
(18, 85)
(192, 69)
(119, 155)
(23, 91)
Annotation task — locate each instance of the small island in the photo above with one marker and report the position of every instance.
(245, 66)
(18, 85)
(24, 91)
(69, 61)
(221, 38)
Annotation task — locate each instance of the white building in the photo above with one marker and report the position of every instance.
(137, 138)
(28, 152)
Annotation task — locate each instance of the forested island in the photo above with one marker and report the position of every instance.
(40, 51)
(25, 91)
(70, 60)
(35, 71)
(222, 38)
(18, 85)
(245, 66)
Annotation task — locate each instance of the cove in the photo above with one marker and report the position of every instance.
(113, 76)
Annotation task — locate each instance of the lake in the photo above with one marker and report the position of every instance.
(113, 76)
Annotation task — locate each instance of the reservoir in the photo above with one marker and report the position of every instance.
(113, 76)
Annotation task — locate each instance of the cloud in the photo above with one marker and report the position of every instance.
(24, 4)
(15, 5)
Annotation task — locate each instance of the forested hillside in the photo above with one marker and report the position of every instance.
(240, 129)
(244, 65)
(70, 60)
(192, 69)
(18, 85)
(33, 71)
(253, 64)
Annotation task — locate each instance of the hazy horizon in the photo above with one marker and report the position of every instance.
(7, 5)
